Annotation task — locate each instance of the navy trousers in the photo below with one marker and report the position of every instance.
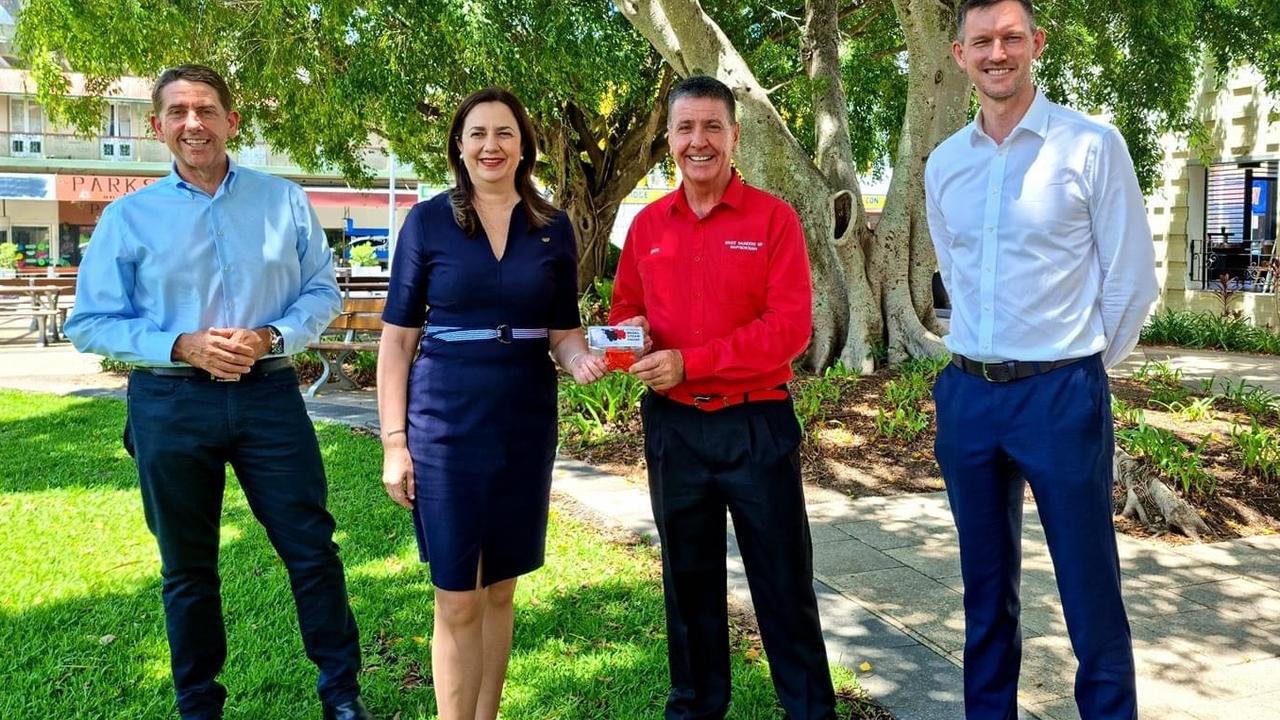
(744, 458)
(182, 433)
(1054, 431)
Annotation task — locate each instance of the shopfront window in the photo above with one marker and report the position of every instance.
(1239, 238)
(33, 243)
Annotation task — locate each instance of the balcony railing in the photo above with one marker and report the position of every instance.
(1246, 267)
(30, 148)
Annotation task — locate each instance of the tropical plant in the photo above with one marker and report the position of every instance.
(601, 409)
(1259, 449)
(1255, 400)
(363, 255)
(1123, 413)
(1225, 291)
(814, 395)
(9, 256)
(1170, 456)
(1186, 328)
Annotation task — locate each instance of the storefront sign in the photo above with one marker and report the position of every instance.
(99, 188)
(25, 186)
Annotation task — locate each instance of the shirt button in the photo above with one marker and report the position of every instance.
(697, 332)
(697, 258)
(987, 308)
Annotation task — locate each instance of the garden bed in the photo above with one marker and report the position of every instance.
(1216, 446)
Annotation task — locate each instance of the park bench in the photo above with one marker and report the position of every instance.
(362, 285)
(360, 315)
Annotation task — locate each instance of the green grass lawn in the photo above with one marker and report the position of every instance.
(82, 630)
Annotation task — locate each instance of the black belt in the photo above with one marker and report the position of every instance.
(1009, 370)
(262, 368)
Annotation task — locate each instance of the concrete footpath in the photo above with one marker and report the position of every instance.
(1205, 618)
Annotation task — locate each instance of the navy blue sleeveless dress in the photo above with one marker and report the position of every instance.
(482, 414)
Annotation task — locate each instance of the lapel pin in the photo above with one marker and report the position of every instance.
(546, 239)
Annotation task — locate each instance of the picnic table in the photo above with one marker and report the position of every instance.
(38, 302)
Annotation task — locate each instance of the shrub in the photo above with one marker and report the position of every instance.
(114, 367)
(9, 256)
(606, 407)
(1259, 450)
(1170, 456)
(1255, 400)
(1187, 328)
(815, 394)
(363, 255)
(1124, 413)
(901, 423)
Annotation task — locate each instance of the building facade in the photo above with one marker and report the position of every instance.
(54, 183)
(1214, 217)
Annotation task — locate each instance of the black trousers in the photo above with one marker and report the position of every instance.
(182, 433)
(744, 458)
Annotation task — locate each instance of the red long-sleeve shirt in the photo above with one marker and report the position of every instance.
(731, 291)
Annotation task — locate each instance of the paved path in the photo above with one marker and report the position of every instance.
(1197, 365)
(1205, 618)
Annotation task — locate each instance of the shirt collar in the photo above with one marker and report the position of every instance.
(1035, 119)
(228, 182)
(732, 195)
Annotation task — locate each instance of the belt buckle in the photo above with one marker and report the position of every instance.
(504, 334)
(1004, 372)
(700, 400)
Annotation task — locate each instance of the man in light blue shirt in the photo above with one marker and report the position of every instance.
(1043, 245)
(207, 280)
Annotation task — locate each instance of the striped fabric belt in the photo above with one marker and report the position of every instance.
(503, 333)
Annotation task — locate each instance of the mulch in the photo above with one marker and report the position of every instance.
(845, 452)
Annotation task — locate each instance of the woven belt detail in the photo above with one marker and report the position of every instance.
(502, 333)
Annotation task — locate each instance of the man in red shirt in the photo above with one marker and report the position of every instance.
(717, 274)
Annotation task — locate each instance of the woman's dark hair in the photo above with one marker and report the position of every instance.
(539, 211)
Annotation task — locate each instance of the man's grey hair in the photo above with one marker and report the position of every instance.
(703, 86)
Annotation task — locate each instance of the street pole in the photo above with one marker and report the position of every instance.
(391, 207)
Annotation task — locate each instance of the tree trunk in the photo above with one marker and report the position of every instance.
(870, 289)
(594, 226)
(598, 173)
(1151, 502)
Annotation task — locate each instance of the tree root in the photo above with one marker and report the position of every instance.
(1149, 501)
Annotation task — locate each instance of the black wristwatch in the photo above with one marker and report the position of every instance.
(277, 341)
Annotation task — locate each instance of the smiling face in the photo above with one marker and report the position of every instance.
(196, 127)
(702, 137)
(490, 145)
(997, 50)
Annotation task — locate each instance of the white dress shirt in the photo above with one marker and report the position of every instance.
(1042, 240)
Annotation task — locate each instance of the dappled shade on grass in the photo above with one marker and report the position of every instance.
(83, 630)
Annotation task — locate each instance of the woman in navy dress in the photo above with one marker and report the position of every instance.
(483, 294)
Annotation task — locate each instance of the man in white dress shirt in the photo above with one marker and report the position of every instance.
(1044, 248)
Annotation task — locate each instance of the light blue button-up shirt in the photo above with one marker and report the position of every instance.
(168, 259)
(1042, 240)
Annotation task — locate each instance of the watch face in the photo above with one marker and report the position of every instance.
(277, 342)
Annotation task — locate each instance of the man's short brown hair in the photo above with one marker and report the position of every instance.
(968, 5)
(190, 73)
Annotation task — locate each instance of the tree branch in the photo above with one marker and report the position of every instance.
(821, 50)
(845, 13)
(587, 141)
